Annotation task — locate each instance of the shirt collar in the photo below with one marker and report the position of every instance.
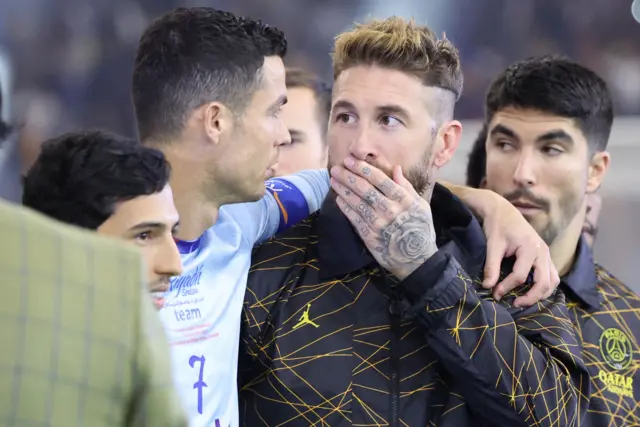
(582, 279)
(341, 250)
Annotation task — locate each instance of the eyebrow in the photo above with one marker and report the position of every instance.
(147, 225)
(391, 109)
(553, 135)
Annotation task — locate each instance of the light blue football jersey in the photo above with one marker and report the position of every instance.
(201, 312)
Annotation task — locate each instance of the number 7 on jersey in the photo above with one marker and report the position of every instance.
(200, 384)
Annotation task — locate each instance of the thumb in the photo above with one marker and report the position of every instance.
(398, 178)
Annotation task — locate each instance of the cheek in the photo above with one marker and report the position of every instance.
(338, 142)
(149, 256)
(498, 174)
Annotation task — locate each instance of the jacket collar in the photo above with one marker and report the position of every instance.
(582, 279)
(341, 251)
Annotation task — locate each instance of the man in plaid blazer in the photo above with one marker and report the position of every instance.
(81, 344)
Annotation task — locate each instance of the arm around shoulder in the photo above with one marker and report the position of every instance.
(518, 367)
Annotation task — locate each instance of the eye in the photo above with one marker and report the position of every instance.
(552, 151)
(504, 145)
(143, 237)
(389, 121)
(344, 118)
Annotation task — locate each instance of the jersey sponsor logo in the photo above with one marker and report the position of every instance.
(617, 352)
(292, 203)
(187, 284)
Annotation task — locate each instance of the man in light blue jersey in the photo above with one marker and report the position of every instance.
(208, 87)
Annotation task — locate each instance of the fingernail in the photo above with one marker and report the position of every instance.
(349, 161)
(335, 171)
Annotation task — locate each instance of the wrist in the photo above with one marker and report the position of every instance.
(482, 202)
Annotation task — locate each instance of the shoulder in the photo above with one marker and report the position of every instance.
(47, 249)
(611, 288)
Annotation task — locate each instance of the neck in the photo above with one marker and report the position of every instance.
(564, 247)
(197, 212)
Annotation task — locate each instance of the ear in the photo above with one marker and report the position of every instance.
(447, 143)
(598, 168)
(217, 120)
(483, 183)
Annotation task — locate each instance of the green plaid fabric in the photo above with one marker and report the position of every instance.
(80, 343)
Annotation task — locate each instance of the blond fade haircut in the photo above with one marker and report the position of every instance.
(402, 45)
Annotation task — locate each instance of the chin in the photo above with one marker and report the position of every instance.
(257, 194)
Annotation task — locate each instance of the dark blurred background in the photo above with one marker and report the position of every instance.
(66, 64)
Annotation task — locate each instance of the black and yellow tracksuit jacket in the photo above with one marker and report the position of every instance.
(607, 316)
(331, 339)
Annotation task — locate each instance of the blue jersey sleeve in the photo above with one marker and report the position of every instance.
(287, 201)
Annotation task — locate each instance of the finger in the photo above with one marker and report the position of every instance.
(355, 189)
(535, 294)
(376, 177)
(492, 264)
(399, 178)
(364, 210)
(546, 280)
(518, 275)
(354, 218)
(351, 181)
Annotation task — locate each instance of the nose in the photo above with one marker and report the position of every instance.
(283, 136)
(362, 146)
(168, 262)
(524, 174)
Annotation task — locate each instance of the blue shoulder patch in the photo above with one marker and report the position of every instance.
(292, 203)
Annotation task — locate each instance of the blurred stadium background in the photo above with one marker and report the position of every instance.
(66, 64)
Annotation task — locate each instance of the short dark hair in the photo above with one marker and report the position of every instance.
(79, 177)
(299, 78)
(556, 85)
(477, 163)
(191, 56)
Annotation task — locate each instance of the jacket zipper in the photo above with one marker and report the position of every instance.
(394, 310)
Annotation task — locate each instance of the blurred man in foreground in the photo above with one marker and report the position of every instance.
(381, 288)
(81, 343)
(306, 115)
(116, 186)
(548, 125)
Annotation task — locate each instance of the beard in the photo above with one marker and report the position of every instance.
(568, 208)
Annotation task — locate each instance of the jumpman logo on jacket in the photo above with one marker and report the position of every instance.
(304, 319)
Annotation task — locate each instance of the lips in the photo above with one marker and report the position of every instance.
(525, 205)
(526, 208)
(157, 294)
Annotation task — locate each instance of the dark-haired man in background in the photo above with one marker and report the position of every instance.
(548, 121)
(476, 172)
(114, 185)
